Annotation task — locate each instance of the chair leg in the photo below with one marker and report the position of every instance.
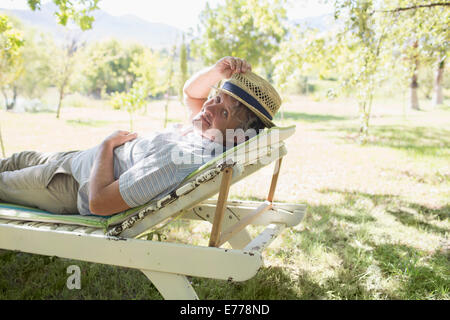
(273, 183)
(171, 286)
(220, 208)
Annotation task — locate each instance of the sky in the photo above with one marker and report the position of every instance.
(180, 13)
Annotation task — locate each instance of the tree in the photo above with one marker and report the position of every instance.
(351, 53)
(183, 69)
(376, 41)
(109, 68)
(438, 96)
(251, 29)
(11, 61)
(414, 97)
(131, 101)
(77, 11)
(63, 68)
(421, 29)
(168, 84)
(33, 74)
(10, 42)
(144, 67)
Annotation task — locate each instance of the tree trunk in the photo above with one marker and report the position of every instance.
(10, 104)
(61, 97)
(414, 86)
(365, 110)
(6, 98)
(131, 120)
(2, 144)
(438, 96)
(414, 99)
(363, 122)
(166, 110)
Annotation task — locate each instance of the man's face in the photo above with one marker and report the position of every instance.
(217, 115)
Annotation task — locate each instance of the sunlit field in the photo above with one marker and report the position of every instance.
(377, 225)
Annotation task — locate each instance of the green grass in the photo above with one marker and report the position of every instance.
(88, 122)
(377, 225)
(418, 140)
(307, 117)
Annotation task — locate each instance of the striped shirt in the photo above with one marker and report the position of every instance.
(147, 167)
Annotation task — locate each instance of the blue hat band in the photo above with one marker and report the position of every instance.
(246, 97)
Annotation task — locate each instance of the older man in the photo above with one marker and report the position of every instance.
(126, 171)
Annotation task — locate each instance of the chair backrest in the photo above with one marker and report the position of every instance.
(250, 150)
(204, 183)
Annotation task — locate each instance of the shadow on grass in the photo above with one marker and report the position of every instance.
(420, 140)
(309, 117)
(403, 264)
(416, 140)
(407, 213)
(411, 220)
(351, 197)
(423, 277)
(323, 236)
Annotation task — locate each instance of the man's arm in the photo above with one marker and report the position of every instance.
(104, 195)
(197, 88)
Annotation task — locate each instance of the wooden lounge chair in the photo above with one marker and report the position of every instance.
(119, 240)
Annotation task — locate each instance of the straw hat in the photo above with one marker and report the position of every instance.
(255, 93)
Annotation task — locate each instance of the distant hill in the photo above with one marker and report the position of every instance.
(127, 27)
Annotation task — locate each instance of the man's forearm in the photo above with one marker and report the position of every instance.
(102, 173)
(199, 85)
(104, 192)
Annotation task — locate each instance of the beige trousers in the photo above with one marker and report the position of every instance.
(40, 180)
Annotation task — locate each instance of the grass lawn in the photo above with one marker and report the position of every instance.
(377, 225)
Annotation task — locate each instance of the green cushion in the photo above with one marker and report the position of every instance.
(17, 212)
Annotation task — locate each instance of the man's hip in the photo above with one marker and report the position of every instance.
(41, 180)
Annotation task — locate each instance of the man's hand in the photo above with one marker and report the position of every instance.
(227, 66)
(118, 138)
(197, 88)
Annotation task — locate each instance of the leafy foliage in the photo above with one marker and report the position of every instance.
(252, 29)
(11, 40)
(75, 10)
(108, 67)
(371, 42)
(143, 67)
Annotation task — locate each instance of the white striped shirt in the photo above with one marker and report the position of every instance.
(148, 167)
